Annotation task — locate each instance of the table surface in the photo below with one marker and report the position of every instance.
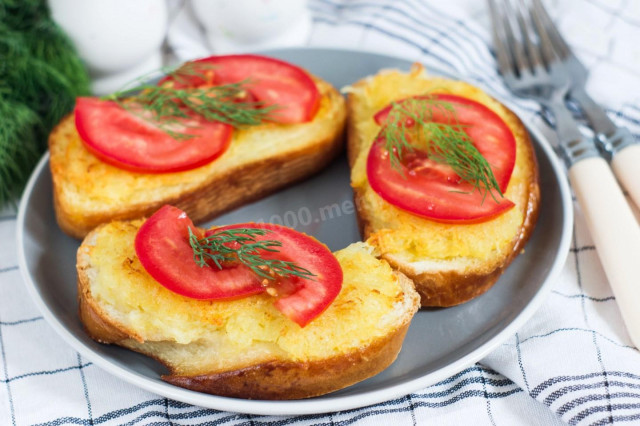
(572, 362)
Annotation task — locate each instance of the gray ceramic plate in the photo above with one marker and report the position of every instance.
(440, 342)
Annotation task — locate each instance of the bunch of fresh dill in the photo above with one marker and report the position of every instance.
(40, 77)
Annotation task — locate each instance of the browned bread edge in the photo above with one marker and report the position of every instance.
(273, 380)
(243, 184)
(452, 288)
(296, 380)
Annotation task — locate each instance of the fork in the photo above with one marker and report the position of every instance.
(531, 69)
(617, 142)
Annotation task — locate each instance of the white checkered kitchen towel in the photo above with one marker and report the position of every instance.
(572, 362)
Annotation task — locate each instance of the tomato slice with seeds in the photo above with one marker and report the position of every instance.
(298, 298)
(127, 141)
(433, 190)
(162, 245)
(270, 81)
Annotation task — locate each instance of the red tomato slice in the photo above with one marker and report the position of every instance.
(271, 81)
(127, 141)
(162, 245)
(433, 190)
(301, 299)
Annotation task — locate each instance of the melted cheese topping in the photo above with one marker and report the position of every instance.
(249, 328)
(90, 185)
(408, 237)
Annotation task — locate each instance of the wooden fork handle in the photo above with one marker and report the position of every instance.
(626, 166)
(615, 232)
(617, 142)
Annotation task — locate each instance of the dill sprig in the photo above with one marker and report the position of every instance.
(409, 126)
(40, 77)
(19, 146)
(240, 245)
(171, 104)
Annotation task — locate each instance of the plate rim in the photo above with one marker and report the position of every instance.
(327, 403)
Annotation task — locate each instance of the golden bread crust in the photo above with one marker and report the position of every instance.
(279, 380)
(219, 188)
(451, 286)
(277, 376)
(96, 320)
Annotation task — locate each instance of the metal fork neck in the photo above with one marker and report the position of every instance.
(616, 142)
(572, 145)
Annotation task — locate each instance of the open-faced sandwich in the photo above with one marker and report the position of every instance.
(212, 135)
(445, 180)
(250, 311)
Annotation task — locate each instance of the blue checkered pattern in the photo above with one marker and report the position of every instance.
(572, 362)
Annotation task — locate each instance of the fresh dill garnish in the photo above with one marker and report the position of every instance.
(174, 102)
(409, 126)
(40, 77)
(240, 245)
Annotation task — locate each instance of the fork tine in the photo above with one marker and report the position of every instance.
(548, 51)
(527, 30)
(556, 38)
(521, 61)
(499, 40)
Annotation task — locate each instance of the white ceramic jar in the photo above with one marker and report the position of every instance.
(243, 25)
(119, 40)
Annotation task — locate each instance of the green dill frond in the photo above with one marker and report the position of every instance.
(409, 126)
(22, 15)
(173, 102)
(40, 77)
(240, 245)
(19, 147)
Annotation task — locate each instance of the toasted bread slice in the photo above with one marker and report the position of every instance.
(259, 160)
(244, 348)
(449, 263)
